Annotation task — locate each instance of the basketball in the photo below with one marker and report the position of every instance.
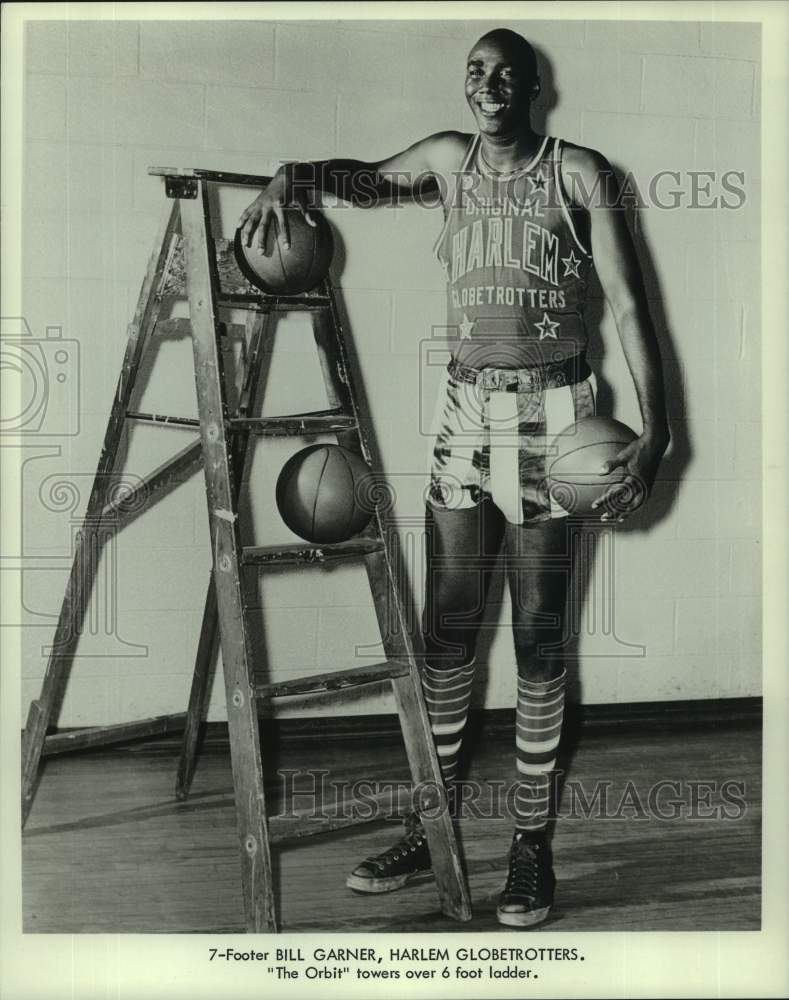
(299, 268)
(575, 458)
(318, 495)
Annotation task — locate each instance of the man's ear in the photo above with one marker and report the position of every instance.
(535, 89)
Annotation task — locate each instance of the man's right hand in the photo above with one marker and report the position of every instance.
(270, 206)
(292, 185)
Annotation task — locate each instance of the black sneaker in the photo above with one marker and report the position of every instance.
(528, 894)
(406, 862)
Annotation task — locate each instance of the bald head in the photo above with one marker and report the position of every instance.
(516, 47)
(501, 83)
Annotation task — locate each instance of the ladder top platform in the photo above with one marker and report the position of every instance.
(219, 176)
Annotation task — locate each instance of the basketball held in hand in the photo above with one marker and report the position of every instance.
(298, 269)
(575, 459)
(319, 491)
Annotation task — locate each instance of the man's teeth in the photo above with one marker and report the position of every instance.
(489, 108)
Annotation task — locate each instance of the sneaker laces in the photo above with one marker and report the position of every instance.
(414, 839)
(524, 874)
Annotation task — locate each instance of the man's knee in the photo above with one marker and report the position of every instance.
(539, 672)
(536, 653)
(448, 655)
(449, 646)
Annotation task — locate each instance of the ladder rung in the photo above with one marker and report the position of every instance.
(295, 424)
(335, 680)
(163, 418)
(307, 554)
(97, 736)
(349, 812)
(181, 327)
(266, 304)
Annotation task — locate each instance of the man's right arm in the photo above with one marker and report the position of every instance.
(355, 181)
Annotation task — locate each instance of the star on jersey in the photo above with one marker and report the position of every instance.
(538, 183)
(571, 265)
(547, 328)
(466, 327)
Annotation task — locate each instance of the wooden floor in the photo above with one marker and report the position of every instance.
(108, 849)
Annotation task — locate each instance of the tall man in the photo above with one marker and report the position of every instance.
(525, 216)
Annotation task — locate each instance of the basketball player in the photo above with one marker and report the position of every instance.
(525, 215)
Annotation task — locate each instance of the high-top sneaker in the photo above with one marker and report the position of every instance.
(528, 894)
(406, 862)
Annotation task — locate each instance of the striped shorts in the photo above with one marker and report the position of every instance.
(495, 443)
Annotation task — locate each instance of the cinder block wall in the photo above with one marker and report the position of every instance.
(105, 100)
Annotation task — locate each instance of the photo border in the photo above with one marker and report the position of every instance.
(630, 964)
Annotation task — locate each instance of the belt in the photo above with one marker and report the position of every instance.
(551, 376)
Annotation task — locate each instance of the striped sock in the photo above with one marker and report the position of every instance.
(538, 727)
(448, 693)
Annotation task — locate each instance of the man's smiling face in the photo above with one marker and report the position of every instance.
(499, 87)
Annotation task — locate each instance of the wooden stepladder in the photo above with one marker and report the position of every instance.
(187, 260)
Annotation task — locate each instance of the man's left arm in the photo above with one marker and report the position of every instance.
(590, 183)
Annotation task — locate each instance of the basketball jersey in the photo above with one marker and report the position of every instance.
(516, 271)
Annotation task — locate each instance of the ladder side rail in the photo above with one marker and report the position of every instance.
(237, 652)
(426, 776)
(388, 584)
(248, 386)
(386, 580)
(90, 539)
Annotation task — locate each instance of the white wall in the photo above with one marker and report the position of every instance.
(103, 101)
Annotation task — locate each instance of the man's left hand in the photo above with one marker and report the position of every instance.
(640, 459)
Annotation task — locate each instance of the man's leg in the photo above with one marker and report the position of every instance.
(462, 549)
(538, 563)
(462, 546)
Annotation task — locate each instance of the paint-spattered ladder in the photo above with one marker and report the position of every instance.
(188, 261)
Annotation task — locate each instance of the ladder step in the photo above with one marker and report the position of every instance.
(181, 327)
(219, 176)
(335, 680)
(307, 554)
(268, 304)
(349, 812)
(290, 424)
(99, 736)
(295, 424)
(163, 418)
